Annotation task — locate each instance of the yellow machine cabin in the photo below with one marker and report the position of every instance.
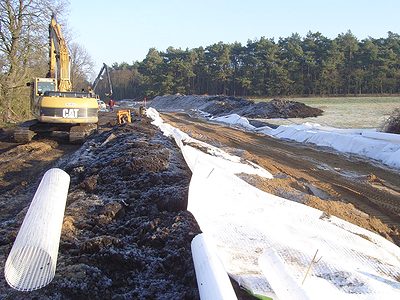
(52, 106)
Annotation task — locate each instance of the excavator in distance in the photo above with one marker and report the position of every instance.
(103, 70)
(124, 115)
(53, 103)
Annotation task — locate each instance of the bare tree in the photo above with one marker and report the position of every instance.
(23, 36)
(81, 66)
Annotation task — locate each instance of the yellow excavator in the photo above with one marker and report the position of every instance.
(54, 105)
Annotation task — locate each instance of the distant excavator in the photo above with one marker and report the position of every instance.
(53, 103)
(103, 70)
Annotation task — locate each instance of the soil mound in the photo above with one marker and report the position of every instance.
(126, 231)
(279, 108)
(392, 124)
(223, 105)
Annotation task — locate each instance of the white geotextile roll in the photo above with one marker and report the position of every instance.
(31, 263)
(212, 280)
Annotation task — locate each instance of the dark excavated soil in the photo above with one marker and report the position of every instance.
(279, 108)
(126, 232)
(224, 105)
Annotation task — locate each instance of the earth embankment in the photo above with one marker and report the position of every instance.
(224, 105)
(126, 231)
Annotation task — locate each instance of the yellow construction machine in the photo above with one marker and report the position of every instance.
(103, 70)
(128, 116)
(124, 116)
(54, 105)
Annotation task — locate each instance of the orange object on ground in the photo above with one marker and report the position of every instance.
(124, 116)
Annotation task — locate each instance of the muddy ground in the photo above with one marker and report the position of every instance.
(126, 231)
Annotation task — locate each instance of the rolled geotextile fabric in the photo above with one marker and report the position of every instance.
(31, 263)
(212, 280)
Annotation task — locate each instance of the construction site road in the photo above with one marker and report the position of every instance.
(361, 192)
(126, 232)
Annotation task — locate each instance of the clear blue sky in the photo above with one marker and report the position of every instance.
(123, 30)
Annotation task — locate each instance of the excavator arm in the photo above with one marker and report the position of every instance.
(103, 70)
(60, 60)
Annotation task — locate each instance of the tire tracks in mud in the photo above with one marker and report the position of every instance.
(345, 178)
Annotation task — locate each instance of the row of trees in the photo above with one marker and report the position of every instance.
(310, 65)
(24, 52)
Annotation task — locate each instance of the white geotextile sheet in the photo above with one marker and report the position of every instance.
(383, 147)
(380, 146)
(254, 232)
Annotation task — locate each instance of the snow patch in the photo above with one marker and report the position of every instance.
(236, 120)
(367, 143)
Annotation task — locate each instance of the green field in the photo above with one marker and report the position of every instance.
(351, 112)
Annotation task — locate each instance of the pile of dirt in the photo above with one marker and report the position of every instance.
(392, 124)
(279, 108)
(126, 232)
(224, 105)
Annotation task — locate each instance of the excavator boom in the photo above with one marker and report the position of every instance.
(104, 69)
(60, 60)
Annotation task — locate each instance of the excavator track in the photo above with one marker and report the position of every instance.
(79, 133)
(23, 135)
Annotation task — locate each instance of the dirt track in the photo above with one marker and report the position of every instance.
(362, 193)
(21, 166)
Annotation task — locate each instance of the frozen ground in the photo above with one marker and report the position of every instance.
(126, 231)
